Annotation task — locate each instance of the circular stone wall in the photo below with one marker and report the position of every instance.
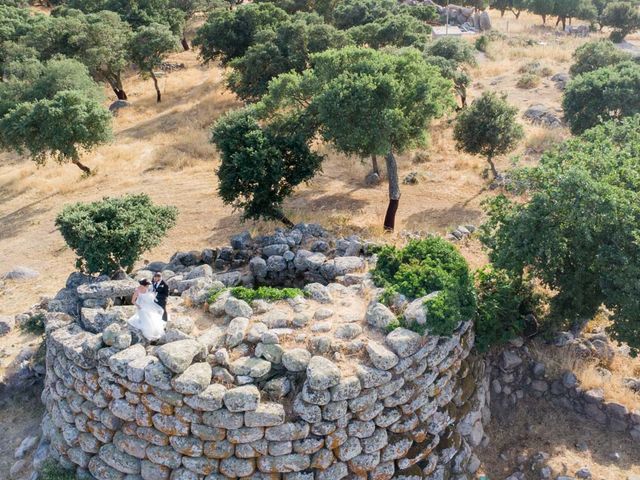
(261, 392)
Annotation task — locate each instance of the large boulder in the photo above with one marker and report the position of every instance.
(177, 356)
(107, 289)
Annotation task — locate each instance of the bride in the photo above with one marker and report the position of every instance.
(148, 316)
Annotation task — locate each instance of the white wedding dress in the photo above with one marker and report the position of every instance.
(148, 316)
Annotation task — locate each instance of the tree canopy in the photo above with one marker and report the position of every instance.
(111, 234)
(261, 166)
(387, 99)
(577, 232)
(601, 95)
(53, 110)
(596, 54)
(284, 49)
(488, 127)
(623, 17)
(228, 34)
(149, 46)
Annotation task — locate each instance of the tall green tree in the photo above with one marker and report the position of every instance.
(604, 94)
(387, 100)
(261, 165)
(489, 128)
(53, 110)
(577, 232)
(60, 127)
(352, 13)
(623, 17)
(227, 34)
(149, 47)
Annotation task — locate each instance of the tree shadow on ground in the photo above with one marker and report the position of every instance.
(12, 224)
(442, 218)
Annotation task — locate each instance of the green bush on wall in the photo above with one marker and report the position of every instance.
(425, 266)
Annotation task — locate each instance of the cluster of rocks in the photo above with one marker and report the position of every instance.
(543, 116)
(261, 394)
(515, 373)
(460, 232)
(467, 18)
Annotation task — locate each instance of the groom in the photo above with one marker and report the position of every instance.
(162, 292)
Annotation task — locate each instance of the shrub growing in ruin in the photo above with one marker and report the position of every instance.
(111, 234)
(504, 301)
(427, 266)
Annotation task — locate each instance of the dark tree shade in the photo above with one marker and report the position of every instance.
(112, 234)
(260, 166)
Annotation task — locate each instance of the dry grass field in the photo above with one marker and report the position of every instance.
(164, 150)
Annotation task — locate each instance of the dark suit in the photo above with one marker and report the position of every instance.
(162, 292)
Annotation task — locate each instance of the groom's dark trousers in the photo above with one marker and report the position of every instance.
(162, 292)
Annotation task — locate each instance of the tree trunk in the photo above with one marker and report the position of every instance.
(517, 14)
(544, 19)
(116, 85)
(86, 170)
(493, 166)
(155, 84)
(564, 23)
(283, 218)
(374, 164)
(394, 191)
(185, 44)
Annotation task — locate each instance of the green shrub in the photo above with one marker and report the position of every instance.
(214, 294)
(51, 470)
(503, 303)
(113, 233)
(482, 43)
(596, 54)
(528, 80)
(34, 325)
(425, 266)
(265, 293)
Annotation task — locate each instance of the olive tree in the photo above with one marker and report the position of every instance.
(623, 17)
(284, 49)
(386, 99)
(596, 54)
(577, 231)
(111, 234)
(149, 47)
(53, 111)
(261, 165)
(352, 13)
(544, 8)
(567, 9)
(227, 34)
(488, 127)
(604, 94)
